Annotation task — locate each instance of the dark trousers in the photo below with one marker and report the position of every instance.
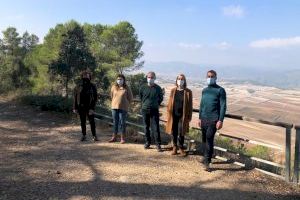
(177, 131)
(83, 113)
(119, 120)
(151, 119)
(208, 134)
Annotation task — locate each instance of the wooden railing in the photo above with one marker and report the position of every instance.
(287, 126)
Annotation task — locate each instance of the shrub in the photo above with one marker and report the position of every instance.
(49, 102)
(135, 81)
(237, 147)
(260, 152)
(194, 134)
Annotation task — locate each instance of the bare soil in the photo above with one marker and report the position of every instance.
(42, 158)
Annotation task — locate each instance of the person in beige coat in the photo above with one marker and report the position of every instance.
(179, 113)
(121, 97)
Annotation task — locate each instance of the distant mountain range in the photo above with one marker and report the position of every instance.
(280, 78)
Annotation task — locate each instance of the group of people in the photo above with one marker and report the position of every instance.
(179, 110)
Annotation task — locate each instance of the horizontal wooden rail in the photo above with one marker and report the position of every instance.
(287, 126)
(237, 117)
(224, 135)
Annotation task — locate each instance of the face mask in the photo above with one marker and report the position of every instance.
(211, 81)
(120, 82)
(150, 81)
(180, 83)
(86, 80)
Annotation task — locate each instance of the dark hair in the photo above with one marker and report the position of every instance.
(86, 72)
(212, 71)
(184, 78)
(123, 77)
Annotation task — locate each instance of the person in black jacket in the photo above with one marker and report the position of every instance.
(84, 101)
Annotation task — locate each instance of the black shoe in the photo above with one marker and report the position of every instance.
(146, 146)
(83, 138)
(158, 147)
(208, 167)
(95, 139)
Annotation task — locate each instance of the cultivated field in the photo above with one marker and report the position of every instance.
(267, 103)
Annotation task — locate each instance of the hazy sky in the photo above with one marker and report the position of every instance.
(258, 33)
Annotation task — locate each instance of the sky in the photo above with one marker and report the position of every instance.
(256, 33)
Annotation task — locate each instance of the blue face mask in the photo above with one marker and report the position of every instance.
(150, 81)
(120, 82)
(211, 81)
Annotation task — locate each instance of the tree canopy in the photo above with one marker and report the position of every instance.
(13, 49)
(53, 66)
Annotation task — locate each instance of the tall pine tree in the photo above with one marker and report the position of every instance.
(74, 56)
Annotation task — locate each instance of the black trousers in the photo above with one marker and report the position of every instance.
(83, 113)
(209, 130)
(151, 119)
(177, 131)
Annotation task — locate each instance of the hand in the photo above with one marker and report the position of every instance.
(199, 123)
(219, 125)
(75, 111)
(91, 112)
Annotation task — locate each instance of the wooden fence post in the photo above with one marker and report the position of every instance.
(297, 155)
(288, 154)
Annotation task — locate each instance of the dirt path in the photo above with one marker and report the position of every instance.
(42, 158)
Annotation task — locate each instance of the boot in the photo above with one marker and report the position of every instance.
(207, 166)
(174, 151)
(182, 152)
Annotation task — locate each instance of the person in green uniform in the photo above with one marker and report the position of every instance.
(211, 114)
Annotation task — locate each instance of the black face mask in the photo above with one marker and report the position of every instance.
(85, 81)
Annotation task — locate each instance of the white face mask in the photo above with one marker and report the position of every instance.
(211, 81)
(180, 83)
(120, 82)
(150, 81)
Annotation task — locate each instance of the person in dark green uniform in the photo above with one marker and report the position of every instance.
(151, 96)
(211, 114)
